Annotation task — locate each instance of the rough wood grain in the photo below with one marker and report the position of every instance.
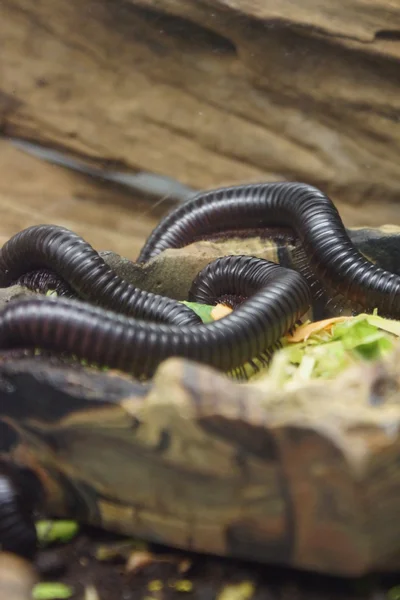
(33, 192)
(305, 477)
(214, 93)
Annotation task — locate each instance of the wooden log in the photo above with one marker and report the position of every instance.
(214, 93)
(303, 476)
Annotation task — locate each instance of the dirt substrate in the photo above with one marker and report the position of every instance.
(108, 568)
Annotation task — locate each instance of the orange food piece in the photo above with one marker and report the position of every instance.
(303, 332)
(219, 311)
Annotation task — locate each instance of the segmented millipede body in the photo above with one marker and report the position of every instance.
(76, 262)
(43, 281)
(281, 296)
(333, 258)
(17, 528)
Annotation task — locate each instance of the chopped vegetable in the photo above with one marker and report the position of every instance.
(91, 593)
(319, 350)
(56, 531)
(239, 591)
(120, 549)
(183, 585)
(208, 313)
(219, 311)
(328, 347)
(51, 591)
(303, 332)
(394, 593)
(155, 585)
(202, 310)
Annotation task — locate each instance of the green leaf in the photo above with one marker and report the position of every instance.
(202, 310)
(56, 531)
(51, 591)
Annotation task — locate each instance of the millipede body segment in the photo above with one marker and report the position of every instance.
(106, 338)
(75, 261)
(333, 258)
(17, 528)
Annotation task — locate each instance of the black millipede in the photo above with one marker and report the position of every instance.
(75, 261)
(331, 256)
(279, 297)
(17, 527)
(45, 280)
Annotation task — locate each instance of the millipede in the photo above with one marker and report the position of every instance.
(103, 319)
(74, 260)
(17, 528)
(279, 297)
(328, 258)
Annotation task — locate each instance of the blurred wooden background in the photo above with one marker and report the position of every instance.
(245, 91)
(110, 218)
(34, 192)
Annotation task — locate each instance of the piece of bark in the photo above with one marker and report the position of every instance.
(219, 93)
(303, 477)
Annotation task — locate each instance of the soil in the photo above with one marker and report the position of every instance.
(100, 567)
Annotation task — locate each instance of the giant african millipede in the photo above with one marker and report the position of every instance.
(275, 297)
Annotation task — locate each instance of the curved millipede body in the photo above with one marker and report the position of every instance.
(94, 334)
(17, 528)
(240, 276)
(43, 281)
(333, 258)
(73, 259)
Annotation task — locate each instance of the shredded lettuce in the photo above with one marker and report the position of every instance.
(328, 352)
(326, 348)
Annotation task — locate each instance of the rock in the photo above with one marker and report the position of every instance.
(305, 477)
(215, 93)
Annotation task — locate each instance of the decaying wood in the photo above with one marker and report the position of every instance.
(305, 477)
(214, 92)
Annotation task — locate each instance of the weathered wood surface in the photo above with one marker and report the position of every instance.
(305, 477)
(33, 192)
(214, 93)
